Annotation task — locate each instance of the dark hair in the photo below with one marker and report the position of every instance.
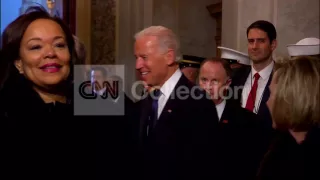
(80, 50)
(12, 37)
(265, 26)
(225, 64)
(117, 78)
(101, 69)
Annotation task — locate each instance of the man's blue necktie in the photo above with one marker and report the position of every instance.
(155, 94)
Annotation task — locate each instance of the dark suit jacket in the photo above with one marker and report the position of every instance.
(115, 142)
(40, 140)
(180, 146)
(243, 140)
(239, 79)
(288, 160)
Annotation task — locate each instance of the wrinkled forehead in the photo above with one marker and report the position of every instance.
(147, 44)
(213, 70)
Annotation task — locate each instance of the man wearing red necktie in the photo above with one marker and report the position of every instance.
(255, 79)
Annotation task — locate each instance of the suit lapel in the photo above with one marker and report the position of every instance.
(242, 80)
(266, 92)
(145, 109)
(225, 117)
(265, 96)
(167, 110)
(172, 103)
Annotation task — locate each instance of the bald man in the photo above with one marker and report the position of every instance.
(241, 134)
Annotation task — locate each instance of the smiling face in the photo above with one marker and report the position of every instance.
(259, 46)
(151, 62)
(44, 54)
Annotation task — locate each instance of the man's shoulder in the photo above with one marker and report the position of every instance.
(192, 93)
(241, 73)
(243, 69)
(195, 99)
(187, 87)
(238, 112)
(128, 100)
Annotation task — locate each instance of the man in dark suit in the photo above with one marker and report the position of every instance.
(98, 75)
(122, 100)
(241, 133)
(189, 66)
(177, 122)
(255, 79)
(102, 95)
(112, 118)
(236, 59)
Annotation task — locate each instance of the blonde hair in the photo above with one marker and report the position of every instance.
(167, 38)
(297, 99)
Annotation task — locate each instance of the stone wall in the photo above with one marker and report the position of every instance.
(191, 21)
(293, 19)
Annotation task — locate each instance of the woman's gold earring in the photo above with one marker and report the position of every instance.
(19, 69)
(18, 66)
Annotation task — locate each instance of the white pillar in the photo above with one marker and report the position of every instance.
(131, 17)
